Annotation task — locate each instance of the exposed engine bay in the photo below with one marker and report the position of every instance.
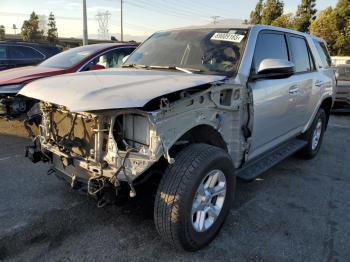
(114, 147)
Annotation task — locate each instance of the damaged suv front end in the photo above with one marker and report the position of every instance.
(107, 128)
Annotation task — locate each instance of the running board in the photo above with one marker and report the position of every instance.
(262, 164)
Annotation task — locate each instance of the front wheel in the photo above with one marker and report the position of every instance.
(194, 196)
(314, 136)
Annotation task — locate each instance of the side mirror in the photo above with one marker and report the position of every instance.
(275, 68)
(125, 58)
(96, 67)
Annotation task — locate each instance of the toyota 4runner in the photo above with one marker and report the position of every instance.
(194, 107)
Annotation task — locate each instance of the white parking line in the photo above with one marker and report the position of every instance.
(8, 157)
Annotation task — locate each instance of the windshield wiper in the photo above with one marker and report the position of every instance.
(134, 66)
(186, 70)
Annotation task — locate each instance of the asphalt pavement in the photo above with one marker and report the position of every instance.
(297, 211)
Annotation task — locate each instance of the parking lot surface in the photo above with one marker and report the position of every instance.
(297, 211)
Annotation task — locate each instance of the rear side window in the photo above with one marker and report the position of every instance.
(270, 46)
(23, 52)
(301, 55)
(3, 54)
(323, 52)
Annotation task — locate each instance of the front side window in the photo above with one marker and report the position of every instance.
(301, 56)
(207, 51)
(23, 52)
(269, 46)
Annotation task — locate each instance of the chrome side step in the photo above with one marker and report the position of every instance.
(259, 166)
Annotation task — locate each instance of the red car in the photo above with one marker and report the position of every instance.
(84, 58)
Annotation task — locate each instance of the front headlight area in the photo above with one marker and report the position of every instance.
(118, 143)
(133, 145)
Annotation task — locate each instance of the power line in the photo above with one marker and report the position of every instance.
(168, 6)
(203, 8)
(163, 12)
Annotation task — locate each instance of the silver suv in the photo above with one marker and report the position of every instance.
(192, 109)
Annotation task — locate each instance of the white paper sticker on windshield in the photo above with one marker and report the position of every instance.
(229, 37)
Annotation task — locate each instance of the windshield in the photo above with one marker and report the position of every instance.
(343, 73)
(207, 51)
(69, 58)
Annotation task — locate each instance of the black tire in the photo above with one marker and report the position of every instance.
(176, 192)
(308, 152)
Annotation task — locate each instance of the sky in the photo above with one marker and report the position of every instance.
(141, 17)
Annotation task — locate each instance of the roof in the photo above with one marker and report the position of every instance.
(100, 47)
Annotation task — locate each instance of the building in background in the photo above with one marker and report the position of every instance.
(340, 60)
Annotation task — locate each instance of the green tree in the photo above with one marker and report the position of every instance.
(333, 25)
(272, 10)
(2, 32)
(305, 14)
(342, 19)
(325, 27)
(255, 16)
(285, 21)
(52, 34)
(30, 29)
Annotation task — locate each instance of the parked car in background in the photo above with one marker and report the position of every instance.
(342, 98)
(18, 54)
(194, 109)
(84, 58)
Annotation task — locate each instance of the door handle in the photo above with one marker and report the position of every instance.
(293, 90)
(319, 83)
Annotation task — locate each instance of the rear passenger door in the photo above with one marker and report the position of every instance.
(304, 97)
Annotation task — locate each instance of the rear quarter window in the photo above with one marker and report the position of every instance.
(323, 52)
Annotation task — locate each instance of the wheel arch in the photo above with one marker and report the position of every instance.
(202, 133)
(326, 105)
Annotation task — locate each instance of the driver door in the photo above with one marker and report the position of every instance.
(274, 100)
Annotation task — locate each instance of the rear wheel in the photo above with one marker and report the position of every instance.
(314, 136)
(194, 196)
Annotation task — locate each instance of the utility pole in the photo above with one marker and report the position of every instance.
(85, 30)
(121, 21)
(14, 27)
